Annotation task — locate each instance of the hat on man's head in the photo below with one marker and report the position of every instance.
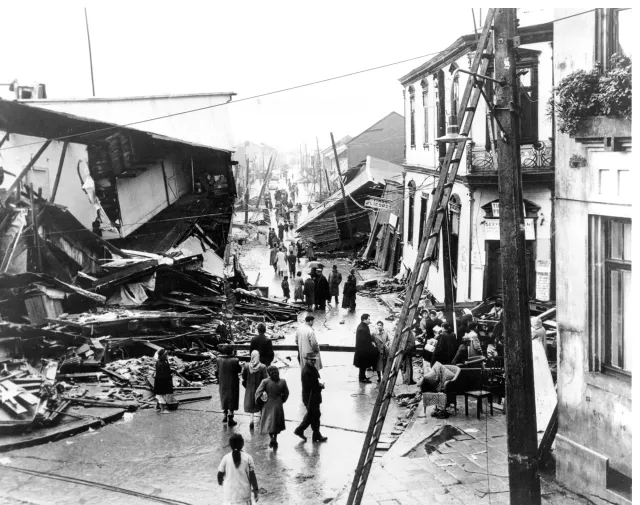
(308, 319)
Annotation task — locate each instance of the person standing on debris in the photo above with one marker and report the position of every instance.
(335, 278)
(306, 341)
(263, 345)
(272, 420)
(349, 292)
(291, 260)
(163, 383)
(286, 291)
(229, 383)
(310, 291)
(381, 339)
(298, 287)
(281, 260)
(312, 398)
(323, 292)
(237, 475)
(366, 354)
(253, 373)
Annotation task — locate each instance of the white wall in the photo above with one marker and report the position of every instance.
(70, 192)
(210, 127)
(144, 196)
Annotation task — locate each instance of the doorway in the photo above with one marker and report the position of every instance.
(493, 268)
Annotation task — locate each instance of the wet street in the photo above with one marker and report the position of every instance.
(173, 458)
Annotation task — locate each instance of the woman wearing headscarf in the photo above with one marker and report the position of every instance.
(349, 292)
(229, 383)
(236, 474)
(163, 383)
(253, 373)
(276, 391)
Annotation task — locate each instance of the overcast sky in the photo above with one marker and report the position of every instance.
(250, 48)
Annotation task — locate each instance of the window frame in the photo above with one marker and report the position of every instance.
(424, 205)
(412, 117)
(425, 109)
(601, 265)
(411, 186)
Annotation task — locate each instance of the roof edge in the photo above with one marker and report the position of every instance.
(128, 98)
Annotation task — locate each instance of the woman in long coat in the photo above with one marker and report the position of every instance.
(163, 383)
(273, 260)
(381, 339)
(281, 258)
(229, 383)
(253, 373)
(310, 292)
(298, 287)
(272, 420)
(349, 292)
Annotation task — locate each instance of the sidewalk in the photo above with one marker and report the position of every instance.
(464, 462)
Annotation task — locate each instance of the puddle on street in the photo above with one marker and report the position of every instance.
(436, 440)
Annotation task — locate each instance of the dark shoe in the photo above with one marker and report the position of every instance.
(225, 418)
(319, 438)
(300, 434)
(274, 445)
(251, 425)
(365, 381)
(271, 443)
(231, 421)
(411, 383)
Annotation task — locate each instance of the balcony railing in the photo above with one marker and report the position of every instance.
(534, 157)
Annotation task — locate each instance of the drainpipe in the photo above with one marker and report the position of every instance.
(471, 227)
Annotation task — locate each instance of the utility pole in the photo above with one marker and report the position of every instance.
(522, 442)
(344, 197)
(246, 191)
(446, 269)
(323, 169)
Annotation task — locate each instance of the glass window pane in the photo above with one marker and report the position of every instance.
(626, 317)
(627, 241)
(615, 239)
(615, 325)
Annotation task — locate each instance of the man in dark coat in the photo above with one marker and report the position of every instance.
(446, 347)
(366, 354)
(263, 345)
(323, 293)
(312, 398)
(309, 290)
(349, 292)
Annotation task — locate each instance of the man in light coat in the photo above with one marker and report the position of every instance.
(307, 343)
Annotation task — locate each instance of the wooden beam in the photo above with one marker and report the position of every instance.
(59, 172)
(24, 171)
(4, 139)
(166, 188)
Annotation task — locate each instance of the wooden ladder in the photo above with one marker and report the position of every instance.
(424, 259)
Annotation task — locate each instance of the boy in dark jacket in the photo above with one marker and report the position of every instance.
(286, 292)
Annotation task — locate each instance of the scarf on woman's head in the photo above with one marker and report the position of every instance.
(254, 363)
(274, 373)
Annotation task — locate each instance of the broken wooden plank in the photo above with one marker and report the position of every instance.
(544, 450)
(125, 275)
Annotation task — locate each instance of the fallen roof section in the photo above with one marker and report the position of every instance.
(34, 121)
(373, 171)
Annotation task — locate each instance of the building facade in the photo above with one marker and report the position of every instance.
(593, 209)
(431, 92)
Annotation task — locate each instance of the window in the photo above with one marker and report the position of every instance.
(425, 109)
(424, 204)
(613, 34)
(412, 115)
(610, 286)
(528, 90)
(412, 203)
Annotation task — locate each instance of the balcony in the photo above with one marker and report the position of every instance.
(536, 160)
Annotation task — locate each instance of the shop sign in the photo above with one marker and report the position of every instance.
(492, 229)
(378, 204)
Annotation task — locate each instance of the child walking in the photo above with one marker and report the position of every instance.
(286, 292)
(236, 474)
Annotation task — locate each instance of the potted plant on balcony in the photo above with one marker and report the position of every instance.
(595, 104)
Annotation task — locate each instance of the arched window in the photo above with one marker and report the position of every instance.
(425, 109)
(412, 115)
(412, 204)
